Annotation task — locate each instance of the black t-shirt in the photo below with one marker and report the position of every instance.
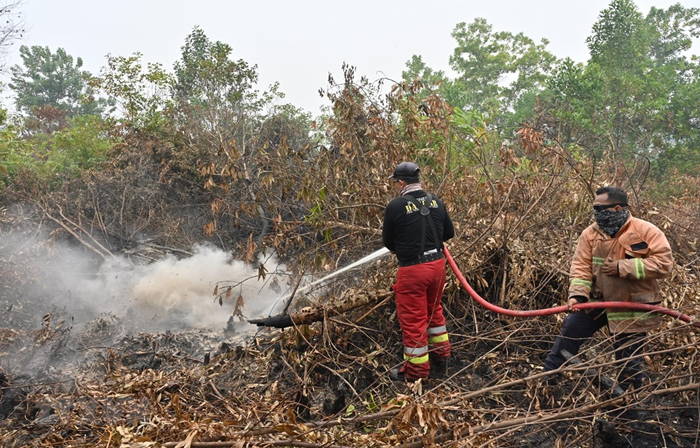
(403, 227)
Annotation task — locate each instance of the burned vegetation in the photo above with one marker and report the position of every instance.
(326, 384)
(316, 373)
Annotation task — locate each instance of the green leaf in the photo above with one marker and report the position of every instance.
(350, 411)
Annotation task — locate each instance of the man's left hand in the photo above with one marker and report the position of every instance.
(611, 268)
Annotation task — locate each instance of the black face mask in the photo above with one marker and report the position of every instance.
(610, 221)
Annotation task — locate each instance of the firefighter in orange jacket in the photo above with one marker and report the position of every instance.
(415, 225)
(619, 258)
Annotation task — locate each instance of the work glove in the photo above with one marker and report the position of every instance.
(611, 268)
(574, 300)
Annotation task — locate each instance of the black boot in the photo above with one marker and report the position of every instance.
(398, 375)
(552, 379)
(438, 369)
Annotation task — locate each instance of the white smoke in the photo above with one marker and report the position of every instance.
(181, 290)
(169, 294)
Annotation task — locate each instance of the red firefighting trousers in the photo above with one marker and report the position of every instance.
(418, 291)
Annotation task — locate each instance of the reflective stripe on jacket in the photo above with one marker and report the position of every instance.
(643, 256)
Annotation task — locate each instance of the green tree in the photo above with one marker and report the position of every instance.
(217, 105)
(496, 70)
(208, 80)
(619, 47)
(673, 31)
(434, 81)
(47, 79)
(221, 119)
(636, 95)
(141, 94)
(417, 69)
(81, 145)
(15, 155)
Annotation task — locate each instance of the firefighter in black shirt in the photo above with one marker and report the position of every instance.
(415, 226)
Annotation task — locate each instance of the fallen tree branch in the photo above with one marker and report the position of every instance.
(231, 443)
(76, 236)
(355, 228)
(89, 234)
(595, 375)
(387, 414)
(543, 418)
(99, 250)
(506, 424)
(312, 314)
(528, 420)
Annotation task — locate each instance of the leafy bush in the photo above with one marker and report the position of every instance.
(82, 145)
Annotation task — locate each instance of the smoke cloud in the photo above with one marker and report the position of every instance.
(172, 293)
(181, 290)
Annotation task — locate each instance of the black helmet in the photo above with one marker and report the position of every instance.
(405, 170)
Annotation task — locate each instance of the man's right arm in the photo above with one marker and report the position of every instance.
(581, 273)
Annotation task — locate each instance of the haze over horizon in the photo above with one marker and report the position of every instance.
(299, 43)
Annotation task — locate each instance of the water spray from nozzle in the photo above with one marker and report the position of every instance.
(373, 256)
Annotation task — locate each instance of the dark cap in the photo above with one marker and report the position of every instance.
(405, 170)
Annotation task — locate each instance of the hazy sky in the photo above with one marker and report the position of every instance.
(298, 42)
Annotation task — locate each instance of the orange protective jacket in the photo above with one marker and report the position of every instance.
(643, 256)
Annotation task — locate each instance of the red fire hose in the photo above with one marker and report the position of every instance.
(564, 308)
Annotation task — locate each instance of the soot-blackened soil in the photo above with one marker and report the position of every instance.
(100, 384)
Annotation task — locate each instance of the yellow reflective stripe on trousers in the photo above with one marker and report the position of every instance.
(581, 282)
(416, 355)
(630, 315)
(598, 261)
(417, 359)
(438, 339)
(640, 269)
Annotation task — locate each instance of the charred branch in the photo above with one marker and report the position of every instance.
(308, 315)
